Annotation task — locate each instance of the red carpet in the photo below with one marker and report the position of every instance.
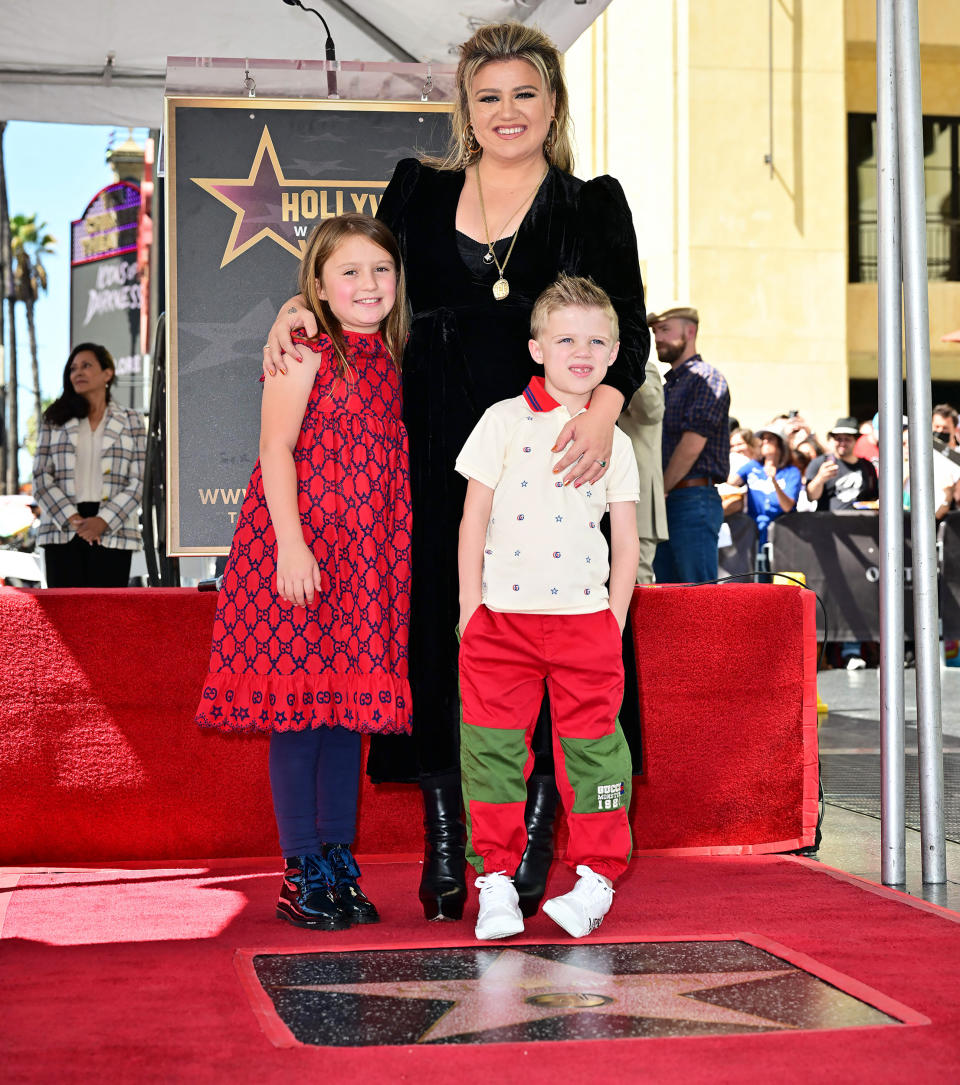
(100, 759)
(129, 974)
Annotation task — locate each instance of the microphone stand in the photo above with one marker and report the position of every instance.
(330, 48)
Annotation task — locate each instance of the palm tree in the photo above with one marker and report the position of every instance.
(29, 243)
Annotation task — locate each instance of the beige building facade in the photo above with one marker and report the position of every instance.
(741, 133)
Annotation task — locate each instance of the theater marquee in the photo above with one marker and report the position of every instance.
(246, 181)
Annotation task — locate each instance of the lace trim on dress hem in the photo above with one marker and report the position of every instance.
(374, 704)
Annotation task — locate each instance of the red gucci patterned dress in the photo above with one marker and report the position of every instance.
(341, 660)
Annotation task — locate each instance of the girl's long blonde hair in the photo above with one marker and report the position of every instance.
(508, 41)
(324, 240)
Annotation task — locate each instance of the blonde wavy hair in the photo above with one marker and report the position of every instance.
(508, 41)
(323, 242)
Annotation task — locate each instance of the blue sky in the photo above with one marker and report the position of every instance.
(53, 170)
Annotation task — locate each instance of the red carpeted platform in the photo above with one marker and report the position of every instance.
(131, 974)
(100, 759)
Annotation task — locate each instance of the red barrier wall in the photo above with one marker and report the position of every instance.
(100, 759)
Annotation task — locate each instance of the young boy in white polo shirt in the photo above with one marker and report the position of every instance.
(534, 608)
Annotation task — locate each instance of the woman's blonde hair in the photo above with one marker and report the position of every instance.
(323, 241)
(508, 41)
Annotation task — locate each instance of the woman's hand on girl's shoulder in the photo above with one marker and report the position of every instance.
(293, 316)
(298, 575)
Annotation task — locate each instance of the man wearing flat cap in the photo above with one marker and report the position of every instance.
(839, 478)
(696, 449)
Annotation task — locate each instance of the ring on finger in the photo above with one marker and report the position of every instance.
(603, 463)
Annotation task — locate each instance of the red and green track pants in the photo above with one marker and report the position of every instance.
(505, 659)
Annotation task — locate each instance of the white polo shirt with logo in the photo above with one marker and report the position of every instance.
(544, 551)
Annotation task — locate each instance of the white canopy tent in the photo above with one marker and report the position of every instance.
(104, 61)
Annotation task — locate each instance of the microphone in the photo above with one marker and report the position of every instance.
(331, 50)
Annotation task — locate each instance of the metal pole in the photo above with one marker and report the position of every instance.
(913, 215)
(893, 847)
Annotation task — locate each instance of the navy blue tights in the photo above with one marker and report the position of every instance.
(314, 777)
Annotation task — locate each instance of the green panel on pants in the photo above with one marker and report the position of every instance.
(491, 768)
(491, 763)
(599, 771)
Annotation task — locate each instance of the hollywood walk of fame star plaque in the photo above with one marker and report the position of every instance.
(530, 993)
(246, 182)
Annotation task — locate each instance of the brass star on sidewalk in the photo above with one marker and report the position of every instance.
(519, 988)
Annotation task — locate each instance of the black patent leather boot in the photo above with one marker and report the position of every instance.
(530, 880)
(307, 898)
(443, 885)
(354, 903)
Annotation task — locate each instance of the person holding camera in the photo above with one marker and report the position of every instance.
(840, 477)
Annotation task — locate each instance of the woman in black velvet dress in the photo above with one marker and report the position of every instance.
(468, 349)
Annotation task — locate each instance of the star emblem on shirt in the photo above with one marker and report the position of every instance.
(558, 519)
(523, 483)
(554, 591)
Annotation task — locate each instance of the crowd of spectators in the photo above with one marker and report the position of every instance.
(783, 467)
(839, 473)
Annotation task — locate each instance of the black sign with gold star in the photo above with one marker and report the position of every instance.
(526, 994)
(247, 180)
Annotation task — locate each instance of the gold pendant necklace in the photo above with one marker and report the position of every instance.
(501, 288)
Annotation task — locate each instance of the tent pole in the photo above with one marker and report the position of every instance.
(893, 853)
(922, 504)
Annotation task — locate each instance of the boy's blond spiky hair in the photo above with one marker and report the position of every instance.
(572, 291)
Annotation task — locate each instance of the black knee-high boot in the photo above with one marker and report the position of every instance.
(443, 885)
(530, 879)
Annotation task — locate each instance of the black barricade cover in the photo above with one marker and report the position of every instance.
(949, 536)
(246, 182)
(839, 554)
(741, 556)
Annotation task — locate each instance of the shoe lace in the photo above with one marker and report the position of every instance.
(492, 882)
(341, 859)
(592, 884)
(317, 873)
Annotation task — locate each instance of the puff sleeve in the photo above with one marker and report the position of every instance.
(609, 257)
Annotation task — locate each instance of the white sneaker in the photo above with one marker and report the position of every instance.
(855, 663)
(500, 915)
(582, 909)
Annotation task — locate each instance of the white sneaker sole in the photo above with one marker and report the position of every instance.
(504, 929)
(564, 916)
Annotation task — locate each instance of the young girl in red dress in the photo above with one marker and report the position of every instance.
(310, 637)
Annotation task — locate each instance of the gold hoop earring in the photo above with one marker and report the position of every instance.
(552, 133)
(470, 142)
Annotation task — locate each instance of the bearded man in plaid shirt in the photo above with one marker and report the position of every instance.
(696, 450)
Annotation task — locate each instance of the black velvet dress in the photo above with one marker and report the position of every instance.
(467, 351)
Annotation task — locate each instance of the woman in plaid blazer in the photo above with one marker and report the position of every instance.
(88, 477)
